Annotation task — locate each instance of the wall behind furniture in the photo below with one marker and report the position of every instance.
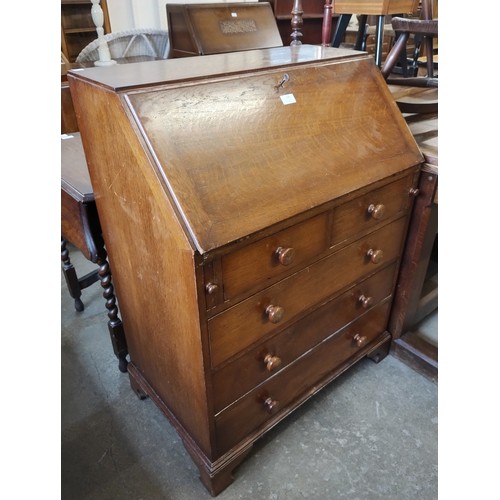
(131, 14)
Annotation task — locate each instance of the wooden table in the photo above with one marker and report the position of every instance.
(80, 226)
(79, 218)
(417, 288)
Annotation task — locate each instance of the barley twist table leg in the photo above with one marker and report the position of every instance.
(71, 277)
(115, 325)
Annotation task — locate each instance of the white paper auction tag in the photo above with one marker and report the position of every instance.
(288, 99)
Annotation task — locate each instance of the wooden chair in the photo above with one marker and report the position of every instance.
(403, 28)
(413, 94)
(346, 8)
(130, 43)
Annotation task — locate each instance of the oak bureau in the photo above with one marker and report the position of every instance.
(254, 207)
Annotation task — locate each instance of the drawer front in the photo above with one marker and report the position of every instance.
(237, 378)
(280, 253)
(274, 395)
(250, 320)
(283, 253)
(363, 213)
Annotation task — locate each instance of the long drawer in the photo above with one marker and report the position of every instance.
(286, 251)
(274, 395)
(240, 376)
(273, 308)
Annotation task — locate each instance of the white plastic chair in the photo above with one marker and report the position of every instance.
(130, 43)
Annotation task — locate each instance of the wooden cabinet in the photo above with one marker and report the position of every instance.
(254, 207)
(77, 27)
(214, 28)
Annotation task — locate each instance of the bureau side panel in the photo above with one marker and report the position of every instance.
(152, 262)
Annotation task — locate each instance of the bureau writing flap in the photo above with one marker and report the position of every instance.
(241, 154)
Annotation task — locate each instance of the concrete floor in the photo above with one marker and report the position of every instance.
(371, 434)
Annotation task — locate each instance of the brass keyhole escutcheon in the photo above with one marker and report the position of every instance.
(282, 82)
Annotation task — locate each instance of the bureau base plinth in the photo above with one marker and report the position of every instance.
(379, 353)
(217, 475)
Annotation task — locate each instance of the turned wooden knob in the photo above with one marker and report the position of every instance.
(375, 256)
(365, 301)
(271, 404)
(285, 255)
(360, 340)
(275, 313)
(211, 288)
(414, 192)
(271, 362)
(376, 211)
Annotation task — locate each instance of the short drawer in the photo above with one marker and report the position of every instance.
(361, 214)
(276, 394)
(282, 252)
(250, 320)
(243, 374)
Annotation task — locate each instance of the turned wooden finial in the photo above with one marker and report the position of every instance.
(297, 22)
(326, 30)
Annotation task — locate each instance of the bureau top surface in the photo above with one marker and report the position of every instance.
(240, 153)
(122, 77)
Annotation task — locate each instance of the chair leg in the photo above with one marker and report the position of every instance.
(379, 40)
(416, 54)
(361, 36)
(430, 56)
(340, 29)
(403, 61)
